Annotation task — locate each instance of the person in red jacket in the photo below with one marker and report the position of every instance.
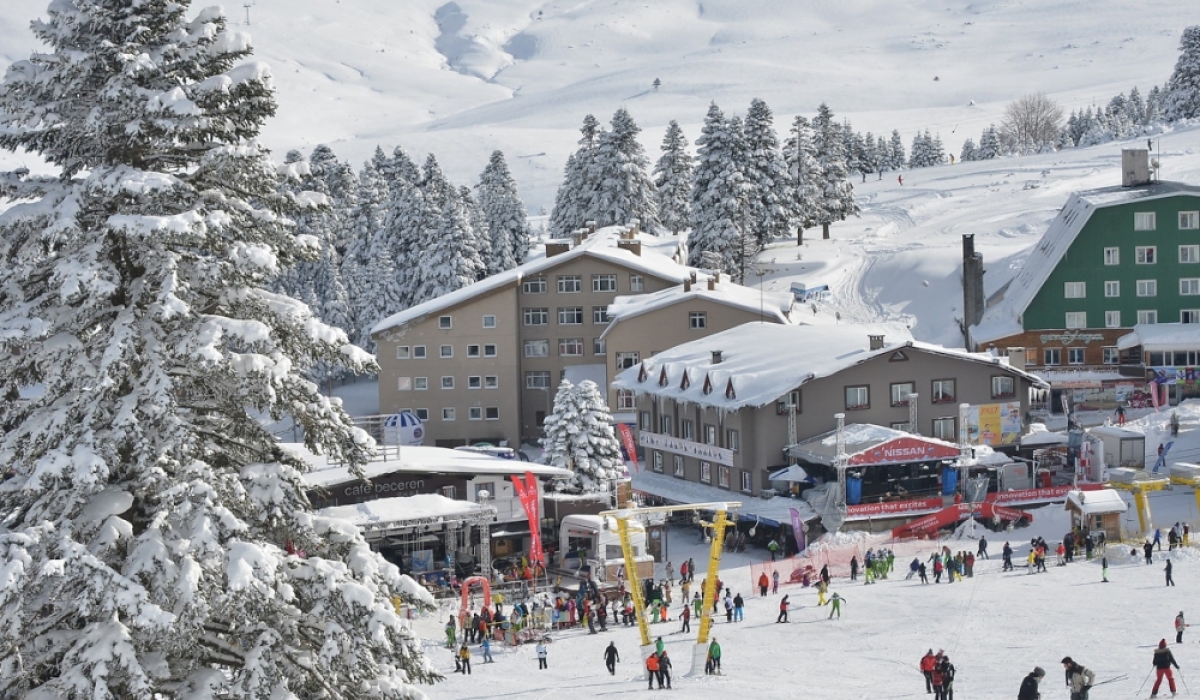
(927, 663)
(1163, 661)
(783, 610)
(652, 670)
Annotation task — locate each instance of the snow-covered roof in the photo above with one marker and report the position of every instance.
(774, 305)
(681, 491)
(762, 361)
(1038, 436)
(1097, 502)
(601, 245)
(1003, 318)
(422, 460)
(1156, 337)
(397, 511)
(861, 438)
(1115, 432)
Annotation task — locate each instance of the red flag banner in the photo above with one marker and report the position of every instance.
(527, 493)
(630, 445)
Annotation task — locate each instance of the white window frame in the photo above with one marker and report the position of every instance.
(475, 413)
(599, 315)
(448, 414)
(445, 323)
(656, 461)
(697, 320)
(534, 285)
(446, 351)
(491, 381)
(448, 382)
(1112, 319)
(1076, 356)
(687, 429)
(1189, 315)
(566, 313)
(1112, 256)
(473, 351)
(1147, 288)
(535, 316)
(1075, 290)
(1110, 355)
(1076, 319)
(474, 382)
(666, 424)
(566, 282)
(491, 413)
(1189, 254)
(862, 389)
(489, 350)
(898, 396)
(403, 352)
(627, 359)
(722, 476)
(418, 352)
(534, 345)
(706, 472)
(604, 283)
(1003, 379)
(565, 344)
(1145, 221)
(1051, 357)
(710, 434)
(937, 428)
(404, 383)
(747, 482)
(492, 324)
(532, 380)
(1147, 316)
(677, 467)
(933, 391)
(599, 346)
(1145, 255)
(422, 413)
(733, 441)
(1112, 289)
(637, 283)
(420, 383)
(1189, 286)
(1189, 220)
(626, 400)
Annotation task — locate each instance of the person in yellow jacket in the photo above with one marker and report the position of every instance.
(464, 658)
(1030, 560)
(821, 588)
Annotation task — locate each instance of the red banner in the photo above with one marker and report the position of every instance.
(527, 493)
(1051, 493)
(902, 450)
(630, 445)
(892, 507)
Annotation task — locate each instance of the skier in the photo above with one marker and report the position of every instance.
(1120, 415)
(900, 179)
(854, 568)
(1079, 679)
(664, 670)
(1149, 551)
(763, 584)
(1163, 661)
(947, 670)
(540, 649)
(1029, 686)
(652, 672)
(450, 633)
(773, 548)
(1179, 627)
(738, 608)
(486, 647)
(1158, 538)
(714, 656)
(728, 608)
(982, 548)
(783, 610)
(836, 601)
(1008, 552)
(774, 582)
(464, 656)
(686, 615)
(1170, 581)
(611, 658)
(913, 568)
(927, 663)
(659, 646)
(822, 587)
(922, 574)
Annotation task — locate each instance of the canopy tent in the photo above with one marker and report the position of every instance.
(872, 445)
(792, 473)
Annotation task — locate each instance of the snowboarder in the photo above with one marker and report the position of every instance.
(652, 672)
(464, 657)
(982, 548)
(1163, 661)
(927, 663)
(1029, 686)
(611, 658)
(1167, 569)
(783, 610)
(1079, 679)
(714, 657)
(664, 670)
(836, 601)
(486, 647)
(1180, 625)
(540, 650)
(763, 584)
(686, 615)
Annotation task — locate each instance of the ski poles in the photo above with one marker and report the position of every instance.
(1184, 681)
(1143, 685)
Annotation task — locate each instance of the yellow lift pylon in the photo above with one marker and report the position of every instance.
(1193, 481)
(1139, 488)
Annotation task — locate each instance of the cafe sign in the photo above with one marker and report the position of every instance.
(687, 448)
(1069, 337)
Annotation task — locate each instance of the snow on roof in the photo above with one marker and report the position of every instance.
(422, 460)
(1039, 436)
(1003, 318)
(601, 245)
(774, 305)
(1156, 337)
(762, 361)
(859, 438)
(1097, 502)
(1114, 431)
(1080, 375)
(680, 491)
(398, 510)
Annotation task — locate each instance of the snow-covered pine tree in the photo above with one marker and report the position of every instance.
(1135, 107)
(1181, 98)
(406, 233)
(152, 527)
(937, 152)
(338, 181)
(804, 175)
(767, 181)
(884, 156)
(451, 260)
(918, 155)
(507, 223)
(968, 150)
(673, 178)
(367, 220)
(868, 156)
(852, 147)
(989, 143)
(579, 436)
(574, 203)
(837, 192)
(1153, 106)
(718, 195)
(398, 169)
(898, 158)
(621, 171)
(478, 221)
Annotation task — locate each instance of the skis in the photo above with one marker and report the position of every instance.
(1121, 677)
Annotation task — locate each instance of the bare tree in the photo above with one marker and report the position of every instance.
(1031, 124)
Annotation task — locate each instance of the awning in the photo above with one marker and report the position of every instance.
(873, 445)
(792, 473)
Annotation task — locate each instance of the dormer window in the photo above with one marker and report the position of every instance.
(730, 393)
(708, 387)
(662, 377)
(685, 382)
(642, 373)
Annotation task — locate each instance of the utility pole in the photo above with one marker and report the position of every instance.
(247, 6)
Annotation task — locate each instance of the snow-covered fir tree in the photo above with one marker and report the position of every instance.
(1181, 98)
(507, 224)
(837, 192)
(989, 143)
(804, 176)
(868, 156)
(968, 150)
(884, 156)
(898, 158)
(920, 156)
(1153, 106)
(621, 171)
(478, 221)
(156, 539)
(673, 179)
(574, 204)
(769, 206)
(579, 436)
(451, 260)
(718, 195)
(937, 152)
(364, 283)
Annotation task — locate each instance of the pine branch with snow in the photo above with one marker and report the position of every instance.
(673, 178)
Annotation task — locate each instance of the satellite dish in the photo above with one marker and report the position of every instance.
(403, 428)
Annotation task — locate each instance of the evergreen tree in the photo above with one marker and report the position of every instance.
(918, 157)
(1181, 98)
(804, 176)
(406, 231)
(718, 195)
(1136, 107)
(968, 150)
(989, 143)
(768, 187)
(153, 528)
(574, 204)
(673, 178)
(898, 158)
(1153, 106)
(507, 224)
(937, 152)
(884, 156)
(579, 436)
(837, 192)
(482, 238)
(868, 156)
(451, 261)
(624, 190)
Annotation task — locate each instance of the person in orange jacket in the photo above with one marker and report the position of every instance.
(653, 673)
(763, 584)
(927, 663)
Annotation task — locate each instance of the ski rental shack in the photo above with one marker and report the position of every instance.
(592, 541)
(1122, 448)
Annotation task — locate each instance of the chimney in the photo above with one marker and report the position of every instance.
(1016, 358)
(694, 276)
(1135, 167)
(716, 277)
(972, 276)
(632, 246)
(712, 283)
(876, 342)
(716, 357)
(591, 226)
(687, 285)
(577, 237)
(553, 249)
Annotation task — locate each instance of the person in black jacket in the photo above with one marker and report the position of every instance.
(611, 657)
(1079, 679)
(1008, 552)
(945, 670)
(664, 669)
(1163, 661)
(1029, 686)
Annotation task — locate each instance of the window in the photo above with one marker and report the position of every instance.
(421, 383)
(790, 398)
(644, 420)
(1189, 220)
(402, 352)
(1076, 319)
(902, 427)
(1112, 319)
(732, 440)
(943, 391)
(625, 360)
(1147, 288)
(1189, 316)
(1189, 287)
(666, 425)
(747, 482)
(1112, 256)
(1004, 387)
(1112, 289)
(570, 316)
(723, 476)
(1148, 316)
(901, 392)
(537, 380)
(447, 414)
(534, 285)
(489, 321)
(488, 486)
(657, 461)
(697, 320)
(1143, 221)
(1145, 254)
(599, 346)
(475, 413)
(569, 284)
(423, 414)
(491, 413)
(1075, 290)
(637, 283)
(403, 383)
(710, 435)
(489, 350)
(858, 398)
(687, 429)
(944, 429)
(1189, 253)
(418, 352)
(446, 351)
(447, 382)
(679, 466)
(1111, 356)
(599, 315)
(491, 381)
(474, 382)
(1050, 356)
(604, 283)
(570, 347)
(536, 317)
(537, 348)
(625, 400)
(1075, 356)
(472, 351)
(444, 322)
(449, 491)
(706, 472)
